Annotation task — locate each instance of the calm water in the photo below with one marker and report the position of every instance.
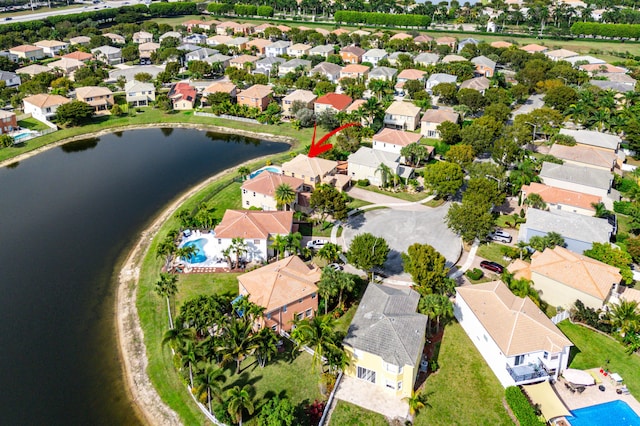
(67, 217)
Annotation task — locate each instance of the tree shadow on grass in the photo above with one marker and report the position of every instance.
(243, 379)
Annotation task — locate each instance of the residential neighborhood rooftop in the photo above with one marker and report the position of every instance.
(570, 225)
(577, 174)
(253, 224)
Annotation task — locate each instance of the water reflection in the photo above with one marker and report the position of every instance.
(79, 146)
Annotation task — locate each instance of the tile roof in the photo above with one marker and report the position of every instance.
(79, 40)
(340, 31)
(411, 74)
(356, 105)
(65, 63)
(501, 44)
(267, 182)
(254, 224)
(374, 157)
(258, 91)
(91, 91)
(483, 60)
(426, 58)
(446, 40)
(79, 55)
(403, 108)
(327, 68)
(453, 58)
(401, 36)
(423, 38)
(515, 324)
(585, 155)
(183, 91)
(299, 46)
(597, 139)
(220, 86)
(260, 43)
(337, 101)
(376, 53)
(477, 83)
(442, 78)
(305, 96)
(33, 69)
(553, 195)
(386, 324)
(603, 68)
(243, 59)
(396, 137)
(354, 69)
(354, 50)
(50, 43)
(280, 283)
(561, 53)
(24, 48)
(45, 100)
(571, 226)
(302, 165)
(587, 176)
(533, 48)
(440, 116)
(577, 271)
(382, 72)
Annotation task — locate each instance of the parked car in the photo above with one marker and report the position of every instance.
(316, 244)
(492, 266)
(500, 235)
(335, 266)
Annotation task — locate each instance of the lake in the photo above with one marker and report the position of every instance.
(67, 218)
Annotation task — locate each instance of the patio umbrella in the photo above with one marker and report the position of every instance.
(578, 377)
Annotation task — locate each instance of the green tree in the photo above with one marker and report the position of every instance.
(606, 253)
(327, 289)
(461, 155)
(266, 345)
(209, 381)
(244, 171)
(6, 141)
(414, 153)
(319, 334)
(471, 98)
(633, 247)
(625, 317)
(237, 342)
(367, 252)
(447, 93)
(74, 113)
(535, 201)
(277, 412)
(427, 267)
(341, 280)
(284, 196)
(560, 97)
(240, 400)
(166, 286)
(143, 77)
(417, 401)
(444, 178)
(327, 200)
(552, 239)
(239, 247)
(330, 252)
(449, 132)
(470, 220)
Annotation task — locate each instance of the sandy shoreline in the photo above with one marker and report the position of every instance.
(148, 404)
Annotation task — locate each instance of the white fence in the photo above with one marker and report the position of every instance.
(560, 317)
(228, 117)
(34, 135)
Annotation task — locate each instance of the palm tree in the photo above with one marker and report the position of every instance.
(227, 255)
(238, 341)
(292, 243)
(166, 287)
(176, 337)
(600, 210)
(209, 381)
(522, 248)
(372, 109)
(317, 333)
(284, 195)
(266, 345)
(327, 288)
(189, 355)
(330, 252)
(535, 201)
(186, 252)
(278, 243)
(417, 401)
(341, 281)
(239, 247)
(427, 306)
(239, 400)
(443, 309)
(385, 171)
(166, 248)
(625, 317)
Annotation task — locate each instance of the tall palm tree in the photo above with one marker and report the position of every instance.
(209, 380)
(176, 337)
(266, 345)
(317, 333)
(342, 281)
(443, 310)
(278, 243)
(327, 288)
(330, 252)
(293, 243)
(625, 317)
(600, 209)
(240, 399)
(238, 341)
(166, 287)
(385, 172)
(284, 195)
(186, 252)
(189, 356)
(427, 306)
(166, 249)
(239, 247)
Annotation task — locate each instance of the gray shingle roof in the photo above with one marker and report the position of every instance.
(483, 60)
(597, 139)
(426, 58)
(570, 225)
(378, 72)
(612, 85)
(587, 176)
(321, 49)
(375, 53)
(327, 68)
(386, 324)
(442, 78)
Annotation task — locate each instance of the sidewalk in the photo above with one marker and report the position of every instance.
(381, 200)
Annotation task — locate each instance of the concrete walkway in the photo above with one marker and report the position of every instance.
(372, 397)
(381, 200)
(467, 264)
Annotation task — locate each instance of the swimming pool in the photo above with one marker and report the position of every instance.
(198, 256)
(614, 413)
(273, 169)
(22, 135)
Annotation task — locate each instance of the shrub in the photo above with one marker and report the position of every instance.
(563, 140)
(474, 274)
(521, 407)
(363, 182)
(623, 207)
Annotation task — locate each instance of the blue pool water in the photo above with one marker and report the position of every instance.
(20, 136)
(614, 413)
(199, 255)
(268, 168)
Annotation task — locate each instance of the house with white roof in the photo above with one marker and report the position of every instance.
(327, 69)
(579, 231)
(365, 164)
(373, 56)
(462, 43)
(516, 339)
(266, 65)
(298, 50)
(108, 54)
(382, 73)
(80, 40)
(438, 78)
(393, 141)
(293, 65)
(594, 139)
(200, 54)
(563, 277)
(560, 54)
(402, 115)
(170, 34)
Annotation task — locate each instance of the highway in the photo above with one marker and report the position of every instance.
(88, 8)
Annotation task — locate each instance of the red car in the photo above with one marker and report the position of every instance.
(492, 266)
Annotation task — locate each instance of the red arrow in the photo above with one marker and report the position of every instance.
(320, 147)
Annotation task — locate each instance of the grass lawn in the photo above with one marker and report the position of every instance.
(355, 204)
(154, 116)
(492, 251)
(464, 391)
(400, 195)
(32, 124)
(348, 414)
(436, 202)
(624, 224)
(593, 349)
(505, 221)
(192, 285)
(342, 323)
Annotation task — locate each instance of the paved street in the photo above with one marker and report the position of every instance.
(534, 102)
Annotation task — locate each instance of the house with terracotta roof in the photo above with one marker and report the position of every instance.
(501, 44)
(480, 84)
(256, 96)
(447, 41)
(28, 52)
(115, 38)
(585, 156)
(385, 340)
(256, 228)
(560, 54)
(66, 65)
(432, 118)
(183, 96)
(333, 101)
(8, 122)
(447, 59)
(391, 140)
(305, 97)
(354, 71)
(51, 48)
(286, 289)
(312, 170)
(401, 36)
(258, 46)
(423, 38)
(142, 37)
(80, 41)
(562, 199)
(517, 340)
(228, 27)
(218, 39)
(352, 54)
(411, 74)
(340, 31)
(298, 50)
(563, 277)
(43, 106)
(221, 87)
(243, 61)
(402, 115)
(79, 55)
(100, 98)
(534, 48)
(261, 190)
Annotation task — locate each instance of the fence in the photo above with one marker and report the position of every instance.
(28, 136)
(227, 117)
(560, 317)
(327, 408)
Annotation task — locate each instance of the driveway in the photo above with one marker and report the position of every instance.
(402, 228)
(534, 102)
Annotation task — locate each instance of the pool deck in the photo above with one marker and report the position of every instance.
(594, 396)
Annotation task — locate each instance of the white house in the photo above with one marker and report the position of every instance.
(365, 164)
(435, 79)
(391, 140)
(278, 48)
(10, 79)
(256, 229)
(139, 93)
(580, 179)
(432, 118)
(51, 47)
(373, 56)
(327, 69)
(261, 190)
(402, 115)
(142, 37)
(516, 339)
(43, 107)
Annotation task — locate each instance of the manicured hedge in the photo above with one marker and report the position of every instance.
(245, 10)
(475, 274)
(521, 407)
(219, 8)
(606, 30)
(265, 11)
(375, 18)
(173, 9)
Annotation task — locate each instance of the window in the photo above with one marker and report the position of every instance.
(399, 385)
(268, 316)
(309, 313)
(389, 384)
(256, 242)
(546, 355)
(300, 316)
(219, 241)
(299, 300)
(247, 202)
(284, 308)
(366, 374)
(274, 327)
(554, 357)
(313, 296)
(519, 360)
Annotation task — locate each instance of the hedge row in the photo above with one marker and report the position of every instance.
(220, 8)
(374, 18)
(606, 30)
(521, 407)
(173, 9)
(240, 9)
